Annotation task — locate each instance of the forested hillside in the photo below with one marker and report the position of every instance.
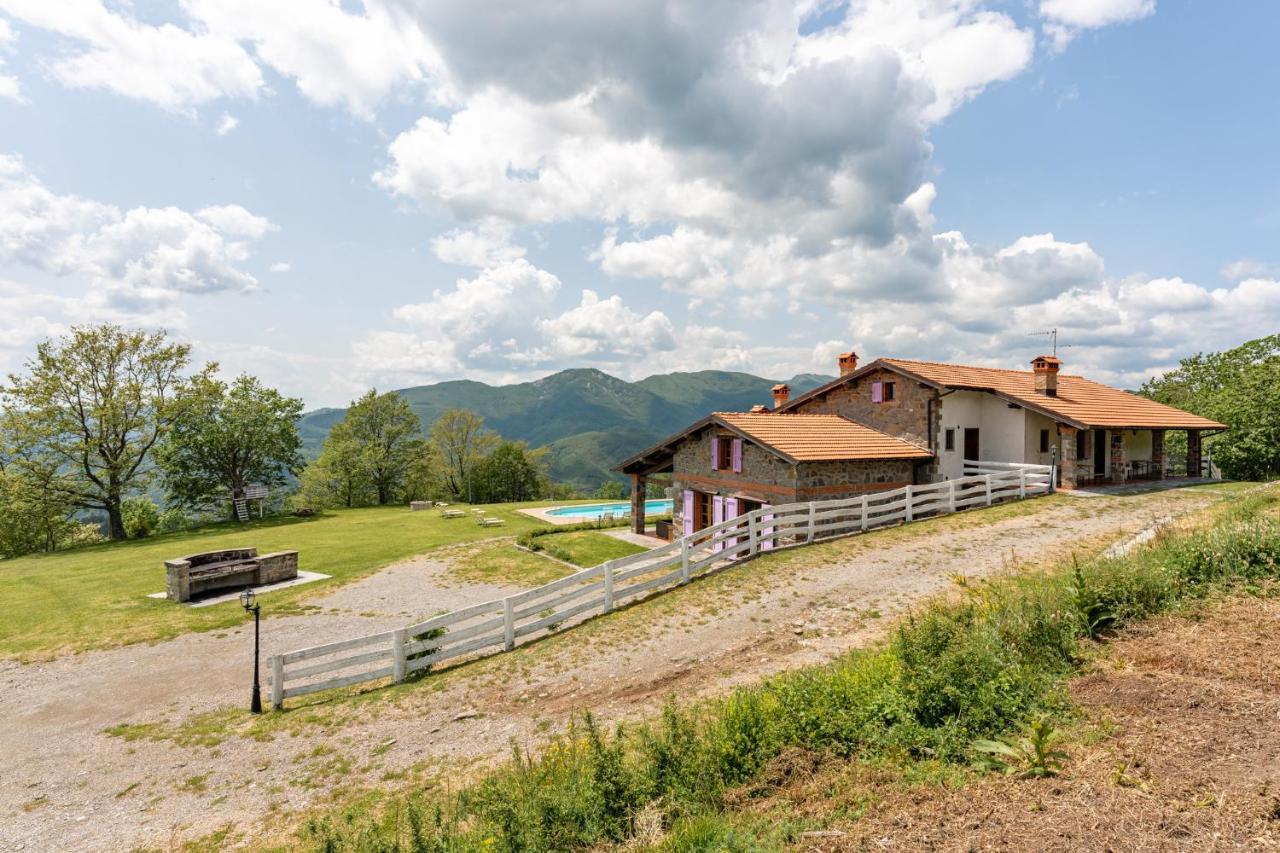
(588, 419)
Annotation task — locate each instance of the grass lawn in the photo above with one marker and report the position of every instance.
(95, 597)
(503, 563)
(587, 548)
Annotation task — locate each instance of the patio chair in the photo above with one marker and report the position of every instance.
(452, 513)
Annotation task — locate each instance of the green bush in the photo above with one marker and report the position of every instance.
(173, 520)
(141, 517)
(953, 675)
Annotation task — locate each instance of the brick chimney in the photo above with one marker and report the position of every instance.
(848, 363)
(759, 409)
(781, 394)
(1045, 368)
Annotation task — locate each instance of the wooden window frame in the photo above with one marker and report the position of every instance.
(949, 439)
(1044, 441)
(888, 390)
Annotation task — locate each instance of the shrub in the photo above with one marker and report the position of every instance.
(141, 517)
(172, 520)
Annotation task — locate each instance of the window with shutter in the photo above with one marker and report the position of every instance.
(877, 392)
(737, 455)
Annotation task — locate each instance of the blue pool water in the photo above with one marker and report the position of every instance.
(591, 511)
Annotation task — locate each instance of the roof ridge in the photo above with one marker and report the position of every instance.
(895, 360)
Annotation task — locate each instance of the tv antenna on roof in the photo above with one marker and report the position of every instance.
(1053, 336)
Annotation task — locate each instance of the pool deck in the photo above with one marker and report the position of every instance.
(543, 513)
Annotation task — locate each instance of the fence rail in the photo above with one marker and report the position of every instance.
(499, 625)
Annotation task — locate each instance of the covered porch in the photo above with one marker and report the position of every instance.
(1101, 456)
(654, 466)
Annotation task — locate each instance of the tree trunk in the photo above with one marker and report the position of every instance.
(383, 497)
(115, 520)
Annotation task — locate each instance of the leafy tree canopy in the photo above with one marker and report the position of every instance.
(512, 472)
(92, 406)
(229, 437)
(388, 435)
(461, 440)
(1241, 388)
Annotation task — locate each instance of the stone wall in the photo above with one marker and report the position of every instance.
(831, 480)
(279, 566)
(907, 416)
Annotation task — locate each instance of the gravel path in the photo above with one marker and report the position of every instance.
(68, 785)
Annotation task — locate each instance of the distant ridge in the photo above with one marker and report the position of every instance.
(588, 419)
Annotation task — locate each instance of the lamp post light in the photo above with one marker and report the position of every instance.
(249, 602)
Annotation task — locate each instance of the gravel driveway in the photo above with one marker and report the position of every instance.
(68, 785)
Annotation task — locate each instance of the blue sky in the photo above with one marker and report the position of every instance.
(392, 194)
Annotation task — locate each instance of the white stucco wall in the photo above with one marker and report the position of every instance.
(1003, 433)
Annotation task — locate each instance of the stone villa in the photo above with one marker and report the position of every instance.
(896, 421)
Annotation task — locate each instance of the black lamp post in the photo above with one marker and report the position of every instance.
(250, 603)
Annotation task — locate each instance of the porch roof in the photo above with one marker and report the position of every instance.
(795, 438)
(1079, 402)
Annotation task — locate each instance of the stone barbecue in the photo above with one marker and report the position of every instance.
(197, 574)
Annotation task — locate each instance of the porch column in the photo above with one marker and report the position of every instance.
(1157, 454)
(1193, 453)
(638, 484)
(1068, 436)
(1117, 456)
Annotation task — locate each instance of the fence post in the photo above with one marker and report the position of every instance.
(1022, 482)
(608, 586)
(865, 522)
(813, 511)
(277, 682)
(684, 560)
(907, 509)
(753, 535)
(398, 640)
(987, 479)
(951, 496)
(508, 625)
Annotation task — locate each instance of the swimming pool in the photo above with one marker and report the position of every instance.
(590, 511)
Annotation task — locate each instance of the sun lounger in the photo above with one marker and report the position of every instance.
(452, 513)
(485, 521)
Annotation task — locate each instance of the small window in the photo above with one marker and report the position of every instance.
(1044, 441)
(950, 439)
(888, 391)
(724, 455)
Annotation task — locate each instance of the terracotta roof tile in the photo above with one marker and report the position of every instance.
(820, 438)
(1080, 400)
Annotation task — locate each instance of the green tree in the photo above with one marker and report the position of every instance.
(94, 404)
(32, 517)
(423, 482)
(611, 490)
(461, 440)
(230, 437)
(388, 434)
(1239, 387)
(512, 472)
(141, 516)
(337, 477)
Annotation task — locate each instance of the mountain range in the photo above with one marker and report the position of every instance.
(587, 419)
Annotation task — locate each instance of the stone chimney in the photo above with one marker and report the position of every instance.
(848, 363)
(758, 409)
(1045, 368)
(781, 394)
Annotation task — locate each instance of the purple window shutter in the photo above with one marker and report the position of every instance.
(717, 516)
(877, 392)
(766, 533)
(715, 453)
(737, 457)
(730, 512)
(688, 512)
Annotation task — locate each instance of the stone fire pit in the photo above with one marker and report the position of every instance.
(196, 574)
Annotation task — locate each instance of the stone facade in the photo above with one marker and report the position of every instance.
(913, 414)
(1193, 453)
(1157, 454)
(1067, 438)
(1117, 455)
(830, 480)
(768, 478)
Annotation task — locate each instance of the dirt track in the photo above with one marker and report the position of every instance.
(68, 785)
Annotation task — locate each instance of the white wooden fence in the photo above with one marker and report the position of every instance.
(500, 624)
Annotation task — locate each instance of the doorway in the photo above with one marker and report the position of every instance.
(1099, 453)
(971, 446)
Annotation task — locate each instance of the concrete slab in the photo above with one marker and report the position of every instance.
(303, 577)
